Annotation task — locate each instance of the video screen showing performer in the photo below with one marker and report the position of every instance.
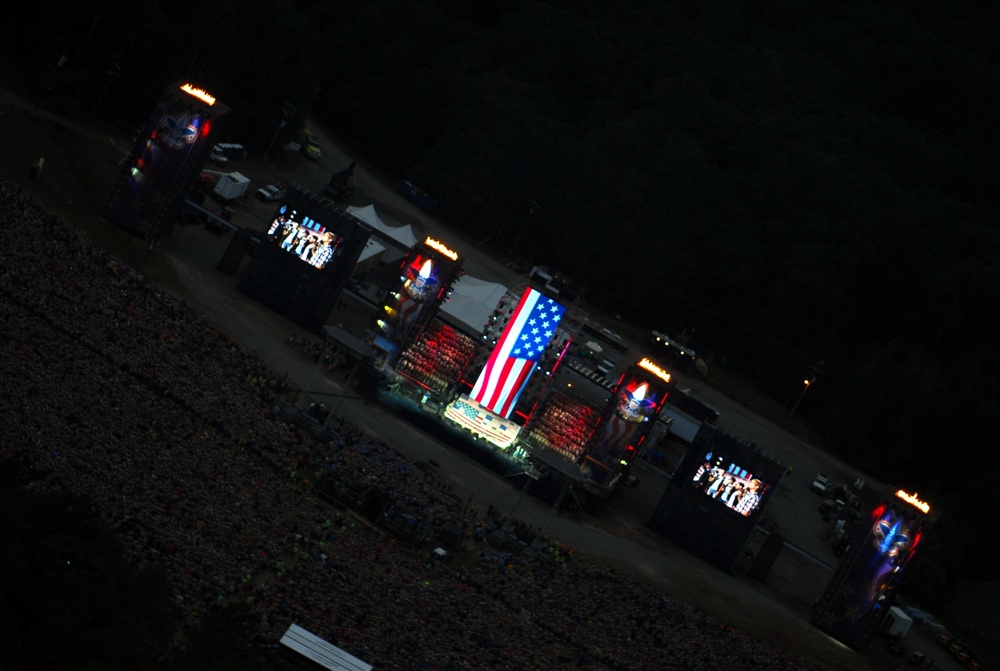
(731, 485)
(304, 237)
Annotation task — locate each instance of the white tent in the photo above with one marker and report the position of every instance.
(401, 234)
(371, 250)
(473, 300)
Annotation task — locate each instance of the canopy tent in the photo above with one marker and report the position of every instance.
(401, 234)
(472, 302)
(371, 250)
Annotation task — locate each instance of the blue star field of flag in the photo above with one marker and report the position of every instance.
(467, 409)
(538, 329)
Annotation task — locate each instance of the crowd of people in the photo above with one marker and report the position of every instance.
(562, 424)
(114, 389)
(439, 358)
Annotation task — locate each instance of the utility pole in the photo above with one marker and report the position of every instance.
(555, 506)
(48, 84)
(287, 109)
(532, 208)
(112, 73)
(347, 384)
(807, 383)
(510, 516)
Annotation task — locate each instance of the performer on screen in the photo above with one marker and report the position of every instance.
(710, 480)
(306, 247)
(720, 486)
(324, 252)
(748, 502)
(728, 487)
(296, 232)
(281, 226)
(736, 495)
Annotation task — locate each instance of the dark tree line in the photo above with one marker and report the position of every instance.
(796, 182)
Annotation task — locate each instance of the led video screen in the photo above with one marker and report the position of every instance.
(303, 236)
(731, 485)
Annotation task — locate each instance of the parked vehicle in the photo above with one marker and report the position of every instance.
(821, 484)
(313, 149)
(224, 152)
(217, 155)
(311, 146)
(231, 186)
(682, 426)
(269, 193)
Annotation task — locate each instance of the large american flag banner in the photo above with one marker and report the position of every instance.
(516, 354)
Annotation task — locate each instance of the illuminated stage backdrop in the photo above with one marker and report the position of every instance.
(486, 410)
(166, 160)
(864, 586)
(426, 278)
(625, 423)
(531, 327)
